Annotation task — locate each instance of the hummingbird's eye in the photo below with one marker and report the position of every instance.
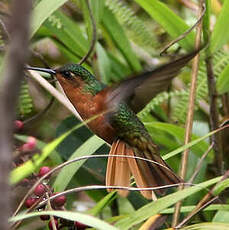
(67, 74)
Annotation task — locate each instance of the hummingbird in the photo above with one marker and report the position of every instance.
(114, 110)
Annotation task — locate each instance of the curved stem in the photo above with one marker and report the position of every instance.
(93, 41)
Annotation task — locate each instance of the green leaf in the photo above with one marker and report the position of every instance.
(87, 175)
(207, 226)
(206, 21)
(66, 174)
(103, 64)
(68, 32)
(93, 170)
(221, 187)
(42, 11)
(30, 166)
(73, 216)
(213, 207)
(221, 216)
(97, 10)
(103, 203)
(157, 206)
(220, 34)
(171, 23)
(190, 144)
(118, 36)
(178, 133)
(222, 83)
(119, 69)
(54, 156)
(87, 19)
(72, 57)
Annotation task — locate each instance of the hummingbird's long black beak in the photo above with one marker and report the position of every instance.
(50, 71)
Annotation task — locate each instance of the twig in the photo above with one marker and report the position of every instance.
(196, 211)
(83, 158)
(207, 200)
(102, 187)
(50, 208)
(75, 160)
(145, 56)
(198, 23)
(225, 102)
(17, 224)
(93, 41)
(41, 113)
(198, 167)
(214, 116)
(189, 121)
(189, 4)
(9, 89)
(41, 58)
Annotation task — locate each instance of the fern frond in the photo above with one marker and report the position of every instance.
(139, 32)
(220, 61)
(55, 21)
(160, 98)
(181, 108)
(25, 105)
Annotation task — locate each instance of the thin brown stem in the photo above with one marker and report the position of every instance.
(75, 160)
(50, 208)
(189, 4)
(182, 36)
(10, 82)
(190, 115)
(203, 203)
(197, 210)
(41, 113)
(93, 41)
(17, 224)
(199, 165)
(214, 116)
(105, 187)
(84, 158)
(225, 102)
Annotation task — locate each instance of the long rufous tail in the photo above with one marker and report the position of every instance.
(146, 174)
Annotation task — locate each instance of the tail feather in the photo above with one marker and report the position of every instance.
(169, 176)
(146, 174)
(136, 170)
(118, 172)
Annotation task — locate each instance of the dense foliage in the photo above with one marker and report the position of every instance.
(128, 39)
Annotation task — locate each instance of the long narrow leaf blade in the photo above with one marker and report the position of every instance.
(118, 35)
(155, 207)
(171, 23)
(73, 216)
(220, 34)
(30, 166)
(42, 11)
(66, 174)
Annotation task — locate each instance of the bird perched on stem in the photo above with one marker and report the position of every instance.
(114, 109)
